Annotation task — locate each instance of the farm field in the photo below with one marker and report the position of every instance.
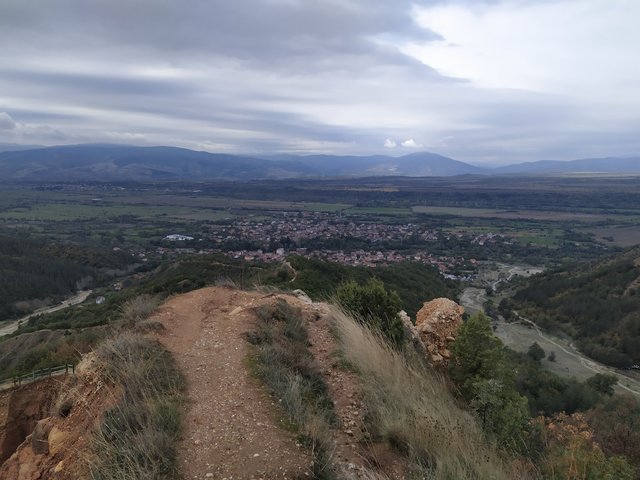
(549, 215)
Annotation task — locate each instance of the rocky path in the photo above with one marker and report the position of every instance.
(230, 426)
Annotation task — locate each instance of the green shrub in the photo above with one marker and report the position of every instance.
(536, 352)
(479, 369)
(375, 306)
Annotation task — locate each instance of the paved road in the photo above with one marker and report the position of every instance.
(7, 328)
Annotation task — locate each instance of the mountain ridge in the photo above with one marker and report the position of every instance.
(111, 162)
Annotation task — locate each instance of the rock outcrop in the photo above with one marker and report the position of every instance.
(437, 324)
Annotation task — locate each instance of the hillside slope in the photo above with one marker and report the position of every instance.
(598, 304)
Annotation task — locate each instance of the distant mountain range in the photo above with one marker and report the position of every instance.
(124, 162)
(588, 165)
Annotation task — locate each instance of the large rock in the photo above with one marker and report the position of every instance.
(437, 324)
(40, 437)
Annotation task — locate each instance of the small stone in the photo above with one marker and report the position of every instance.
(256, 455)
(209, 475)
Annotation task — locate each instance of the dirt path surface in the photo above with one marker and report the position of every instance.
(230, 431)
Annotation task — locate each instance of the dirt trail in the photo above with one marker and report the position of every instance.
(230, 430)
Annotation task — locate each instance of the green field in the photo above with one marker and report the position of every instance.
(543, 215)
(383, 211)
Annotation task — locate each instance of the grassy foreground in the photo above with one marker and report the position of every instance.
(411, 407)
(137, 436)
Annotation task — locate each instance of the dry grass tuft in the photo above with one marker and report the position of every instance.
(136, 437)
(138, 309)
(411, 407)
(283, 361)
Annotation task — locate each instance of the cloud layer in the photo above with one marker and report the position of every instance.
(337, 76)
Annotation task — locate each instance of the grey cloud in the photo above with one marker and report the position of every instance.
(256, 31)
(259, 76)
(6, 122)
(82, 83)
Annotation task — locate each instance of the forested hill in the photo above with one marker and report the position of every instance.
(32, 272)
(598, 304)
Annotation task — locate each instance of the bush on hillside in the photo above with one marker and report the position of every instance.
(479, 369)
(375, 306)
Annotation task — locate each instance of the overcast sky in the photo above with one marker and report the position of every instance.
(490, 82)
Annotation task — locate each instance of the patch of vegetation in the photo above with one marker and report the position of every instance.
(546, 392)
(376, 306)
(413, 282)
(480, 370)
(32, 272)
(136, 438)
(498, 384)
(283, 361)
(570, 452)
(138, 309)
(39, 350)
(172, 278)
(616, 425)
(192, 272)
(597, 304)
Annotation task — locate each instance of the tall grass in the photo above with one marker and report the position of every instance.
(136, 437)
(138, 309)
(410, 406)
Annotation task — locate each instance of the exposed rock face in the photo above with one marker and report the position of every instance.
(411, 333)
(20, 411)
(437, 324)
(49, 438)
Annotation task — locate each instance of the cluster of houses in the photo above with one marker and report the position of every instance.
(299, 227)
(318, 225)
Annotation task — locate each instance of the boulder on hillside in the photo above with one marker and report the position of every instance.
(437, 324)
